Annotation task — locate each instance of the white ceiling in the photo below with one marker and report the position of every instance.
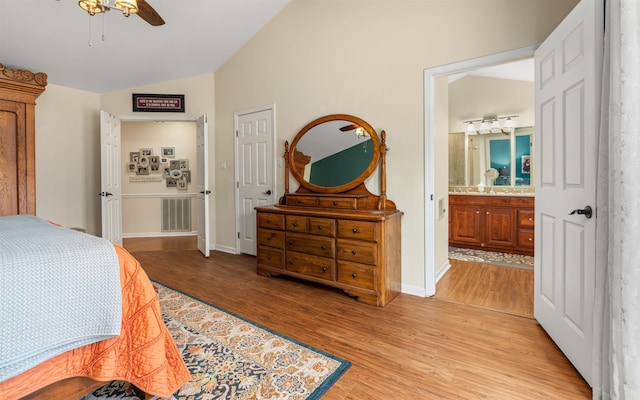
(521, 70)
(199, 36)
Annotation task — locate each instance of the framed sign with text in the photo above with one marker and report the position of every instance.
(158, 102)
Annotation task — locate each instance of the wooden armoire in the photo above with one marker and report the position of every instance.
(18, 92)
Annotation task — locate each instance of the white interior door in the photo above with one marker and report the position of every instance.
(202, 156)
(110, 178)
(254, 172)
(567, 106)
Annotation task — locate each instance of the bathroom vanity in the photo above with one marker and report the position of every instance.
(492, 222)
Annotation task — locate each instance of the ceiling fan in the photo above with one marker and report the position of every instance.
(349, 127)
(360, 132)
(128, 7)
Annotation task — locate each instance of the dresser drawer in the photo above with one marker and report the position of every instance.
(337, 202)
(357, 229)
(319, 267)
(271, 256)
(297, 223)
(322, 226)
(359, 275)
(272, 221)
(302, 201)
(525, 239)
(310, 244)
(357, 251)
(526, 218)
(271, 238)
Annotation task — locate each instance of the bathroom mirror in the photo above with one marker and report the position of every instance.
(470, 156)
(334, 153)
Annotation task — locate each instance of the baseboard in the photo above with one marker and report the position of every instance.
(413, 290)
(443, 270)
(157, 234)
(225, 249)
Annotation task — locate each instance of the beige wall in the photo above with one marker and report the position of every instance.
(314, 58)
(318, 57)
(68, 157)
(473, 97)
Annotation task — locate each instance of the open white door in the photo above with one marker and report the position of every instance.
(110, 178)
(254, 172)
(203, 184)
(567, 106)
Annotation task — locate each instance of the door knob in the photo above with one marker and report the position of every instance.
(268, 192)
(587, 211)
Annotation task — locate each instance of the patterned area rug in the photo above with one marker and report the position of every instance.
(231, 358)
(490, 257)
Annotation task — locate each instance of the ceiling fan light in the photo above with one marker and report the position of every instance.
(93, 7)
(126, 6)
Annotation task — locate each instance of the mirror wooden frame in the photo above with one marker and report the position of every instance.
(291, 158)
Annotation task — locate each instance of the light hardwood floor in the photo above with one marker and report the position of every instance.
(414, 348)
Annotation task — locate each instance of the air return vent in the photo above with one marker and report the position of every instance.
(176, 214)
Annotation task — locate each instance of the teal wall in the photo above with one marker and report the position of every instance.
(500, 156)
(342, 167)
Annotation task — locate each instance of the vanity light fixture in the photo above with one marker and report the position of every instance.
(491, 124)
(94, 7)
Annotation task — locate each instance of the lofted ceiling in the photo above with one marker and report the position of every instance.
(59, 38)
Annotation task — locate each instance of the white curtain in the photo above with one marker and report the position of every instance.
(617, 314)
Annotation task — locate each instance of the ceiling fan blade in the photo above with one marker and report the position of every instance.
(147, 13)
(349, 127)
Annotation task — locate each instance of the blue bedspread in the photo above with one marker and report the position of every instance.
(59, 290)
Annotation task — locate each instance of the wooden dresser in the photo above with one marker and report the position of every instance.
(492, 223)
(348, 239)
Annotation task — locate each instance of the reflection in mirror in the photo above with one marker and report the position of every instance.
(509, 156)
(333, 153)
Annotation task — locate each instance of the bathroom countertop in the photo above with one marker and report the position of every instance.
(497, 193)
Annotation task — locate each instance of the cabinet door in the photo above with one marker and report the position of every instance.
(500, 227)
(465, 224)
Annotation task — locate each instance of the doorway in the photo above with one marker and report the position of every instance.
(436, 255)
(493, 278)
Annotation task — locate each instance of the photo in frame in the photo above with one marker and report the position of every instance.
(184, 164)
(132, 167)
(182, 184)
(174, 164)
(526, 164)
(134, 156)
(168, 152)
(172, 183)
(186, 175)
(146, 152)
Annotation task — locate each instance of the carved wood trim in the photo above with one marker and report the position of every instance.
(22, 84)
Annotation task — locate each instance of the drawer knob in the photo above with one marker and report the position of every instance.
(355, 230)
(295, 224)
(324, 269)
(319, 227)
(298, 201)
(291, 262)
(354, 275)
(531, 239)
(335, 203)
(530, 219)
(324, 247)
(353, 252)
(290, 241)
(269, 238)
(268, 257)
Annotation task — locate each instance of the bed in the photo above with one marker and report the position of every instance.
(143, 352)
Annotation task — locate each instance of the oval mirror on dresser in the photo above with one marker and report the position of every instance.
(332, 230)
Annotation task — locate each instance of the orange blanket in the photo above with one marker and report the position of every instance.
(144, 354)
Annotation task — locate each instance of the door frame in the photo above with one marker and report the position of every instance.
(163, 118)
(430, 214)
(267, 107)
